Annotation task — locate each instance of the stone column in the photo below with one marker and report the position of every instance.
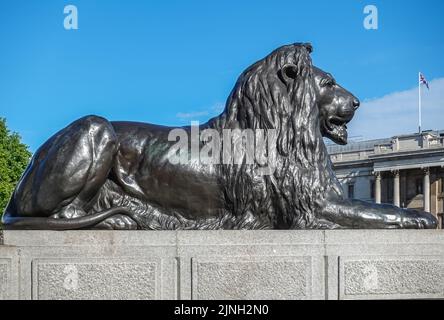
(434, 193)
(378, 187)
(396, 189)
(426, 189)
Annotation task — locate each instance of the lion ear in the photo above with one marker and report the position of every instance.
(309, 47)
(288, 73)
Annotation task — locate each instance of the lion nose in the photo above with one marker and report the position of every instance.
(356, 103)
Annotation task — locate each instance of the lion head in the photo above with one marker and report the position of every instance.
(337, 106)
(281, 91)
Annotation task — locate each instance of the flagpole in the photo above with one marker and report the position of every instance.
(419, 100)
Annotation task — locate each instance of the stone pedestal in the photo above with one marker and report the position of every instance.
(359, 264)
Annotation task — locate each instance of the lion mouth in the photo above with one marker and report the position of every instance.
(336, 129)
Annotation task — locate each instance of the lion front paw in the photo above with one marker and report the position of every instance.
(413, 219)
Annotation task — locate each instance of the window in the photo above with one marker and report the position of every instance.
(372, 189)
(351, 191)
(418, 186)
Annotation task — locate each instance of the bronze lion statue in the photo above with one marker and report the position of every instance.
(118, 175)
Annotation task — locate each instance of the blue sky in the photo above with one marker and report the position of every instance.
(170, 62)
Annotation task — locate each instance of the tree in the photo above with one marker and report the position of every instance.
(14, 157)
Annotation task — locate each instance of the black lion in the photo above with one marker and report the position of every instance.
(118, 175)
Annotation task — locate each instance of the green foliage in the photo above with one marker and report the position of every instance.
(14, 157)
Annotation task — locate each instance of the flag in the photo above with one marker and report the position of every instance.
(423, 80)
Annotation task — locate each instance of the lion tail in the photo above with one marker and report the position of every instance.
(40, 223)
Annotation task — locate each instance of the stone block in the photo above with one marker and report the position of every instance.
(391, 277)
(110, 279)
(8, 273)
(218, 278)
(5, 275)
(262, 250)
(123, 257)
(88, 238)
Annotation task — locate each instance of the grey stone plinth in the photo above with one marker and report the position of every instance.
(343, 264)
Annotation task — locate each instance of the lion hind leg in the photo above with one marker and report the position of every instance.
(67, 171)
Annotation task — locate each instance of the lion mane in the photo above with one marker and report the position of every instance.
(303, 171)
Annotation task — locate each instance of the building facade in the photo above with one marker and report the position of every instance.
(406, 170)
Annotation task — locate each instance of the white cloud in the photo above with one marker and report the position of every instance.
(193, 114)
(215, 109)
(397, 113)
